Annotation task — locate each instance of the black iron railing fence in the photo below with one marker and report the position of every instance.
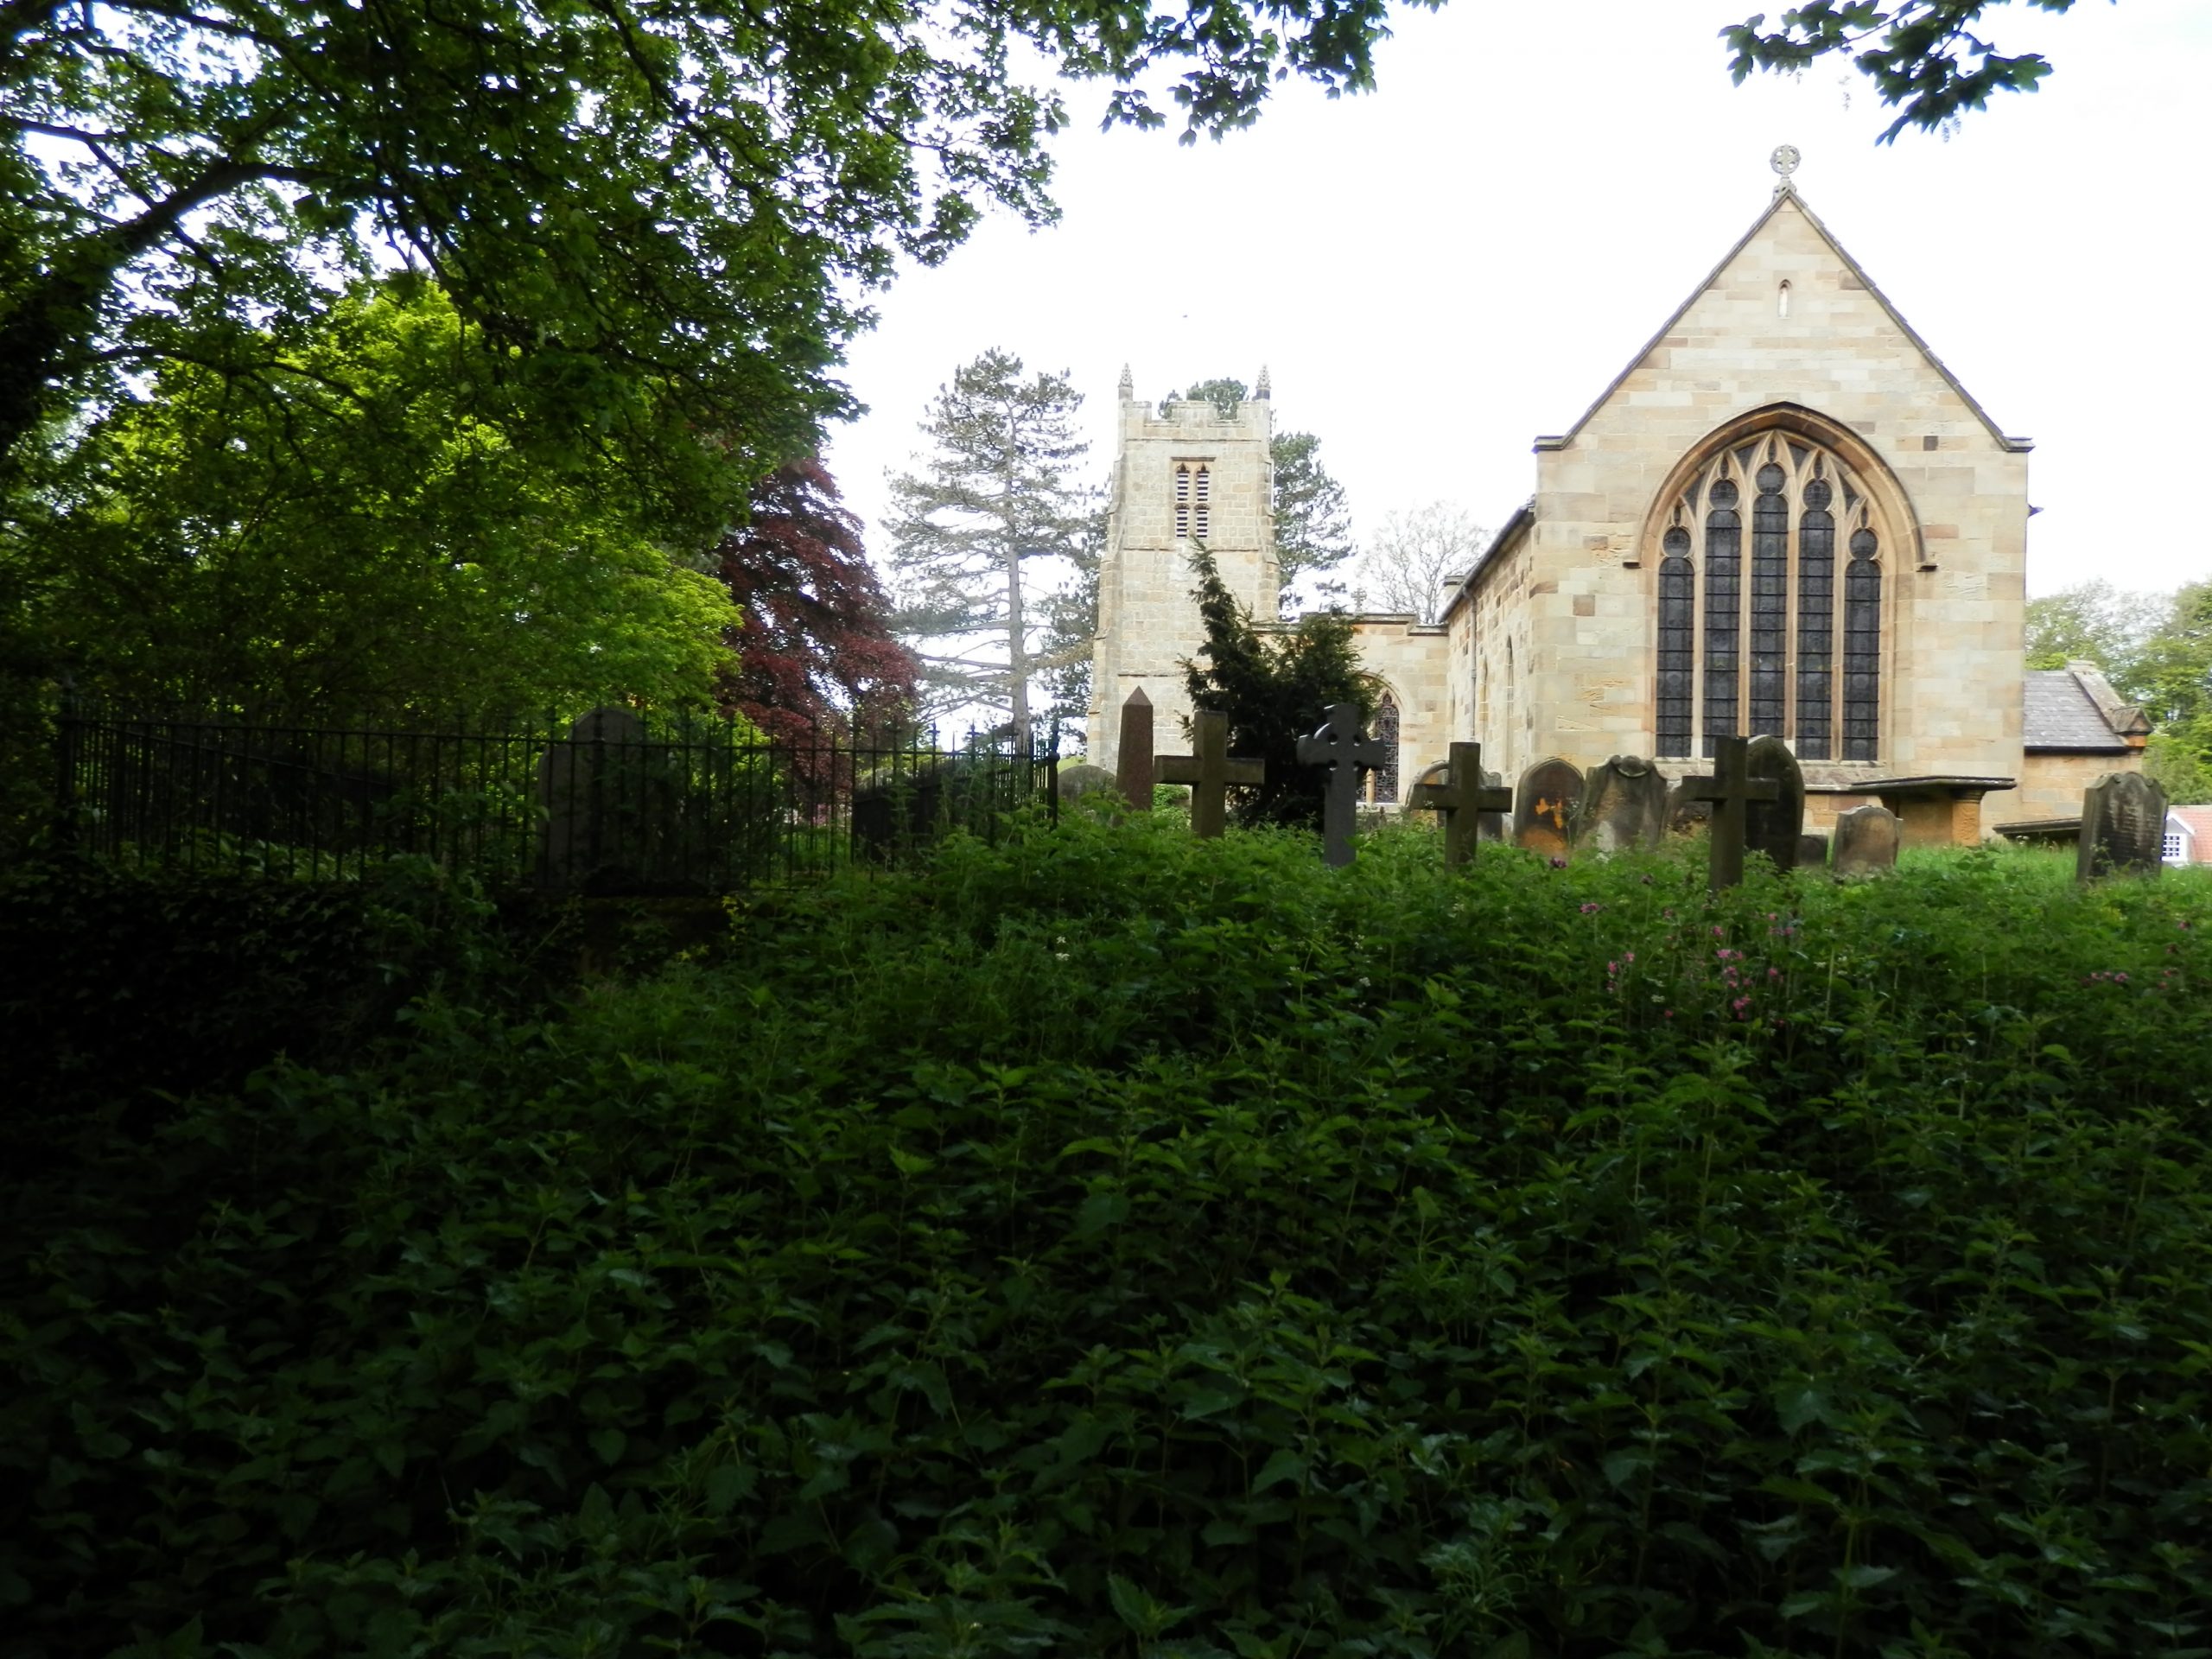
(615, 802)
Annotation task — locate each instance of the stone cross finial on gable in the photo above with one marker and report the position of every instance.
(1347, 751)
(1210, 771)
(1785, 162)
(1731, 789)
(1461, 801)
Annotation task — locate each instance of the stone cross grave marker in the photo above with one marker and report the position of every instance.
(1775, 826)
(1210, 771)
(1866, 841)
(1461, 801)
(1731, 789)
(2123, 826)
(1623, 806)
(1347, 751)
(1544, 807)
(1133, 761)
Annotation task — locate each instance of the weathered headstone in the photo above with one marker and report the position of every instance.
(1544, 807)
(1133, 761)
(1081, 778)
(1866, 840)
(1772, 825)
(1210, 771)
(1732, 790)
(591, 787)
(1347, 751)
(1623, 806)
(1812, 850)
(1461, 797)
(2123, 826)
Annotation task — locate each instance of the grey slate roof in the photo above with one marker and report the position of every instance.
(2062, 715)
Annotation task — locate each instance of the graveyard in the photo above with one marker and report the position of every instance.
(1123, 1240)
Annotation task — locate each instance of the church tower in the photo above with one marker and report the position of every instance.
(1184, 474)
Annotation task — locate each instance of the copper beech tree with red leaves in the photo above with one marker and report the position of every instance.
(815, 650)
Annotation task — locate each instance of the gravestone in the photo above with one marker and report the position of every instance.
(1347, 751)
(2123, 826)
(1209, 772)
(600, 802)
(1772, 824)
(1866, 839)
(1544, 807)
(1812, 850)
(1082, 778)
(1133, 763)
(1731, 791)
(1623, 806)
(1461, 797)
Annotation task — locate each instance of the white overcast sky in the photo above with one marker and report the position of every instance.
(1441, 269)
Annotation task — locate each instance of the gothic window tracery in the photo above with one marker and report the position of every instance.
(1757, 634)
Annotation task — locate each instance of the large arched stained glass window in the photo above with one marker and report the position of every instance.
(1767, 635)
(1677, 644)
(1384, 778)
(1816, 622)
(1770, 652)
(1862, 649)
(1724, 596)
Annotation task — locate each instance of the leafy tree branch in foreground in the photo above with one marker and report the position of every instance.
(1924, 57)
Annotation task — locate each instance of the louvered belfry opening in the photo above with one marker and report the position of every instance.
(1193, 499)
(1747, 635)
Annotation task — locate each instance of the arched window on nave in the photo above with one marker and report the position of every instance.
(1757, 634)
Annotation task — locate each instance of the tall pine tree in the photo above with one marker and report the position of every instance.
(996, 495)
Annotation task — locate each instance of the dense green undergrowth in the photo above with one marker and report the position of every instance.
(1116, 1244)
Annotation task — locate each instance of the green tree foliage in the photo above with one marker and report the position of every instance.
(1275, 688)
(996, 494)
(1925, 57)
(2092, 621)
(1312, 514)
(2173, 682)
(662, 211)
(351, 529)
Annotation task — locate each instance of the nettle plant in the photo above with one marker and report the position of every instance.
(1108, 1243)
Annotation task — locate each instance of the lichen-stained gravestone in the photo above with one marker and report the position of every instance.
(1210, 771)
(1461, 797)
(1774, 825)
(1733, 790)
(1866, 840)
(598, 796)
(2123, 826)
(1347, 751)
(1133, 762)
(1623, 806)
(1544, 806)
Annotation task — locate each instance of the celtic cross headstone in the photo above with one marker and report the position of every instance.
(1731, 789)
(1210, 771)
(1460, 799)
(1341, 745)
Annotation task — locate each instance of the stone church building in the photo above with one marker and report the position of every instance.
(1784, 516)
